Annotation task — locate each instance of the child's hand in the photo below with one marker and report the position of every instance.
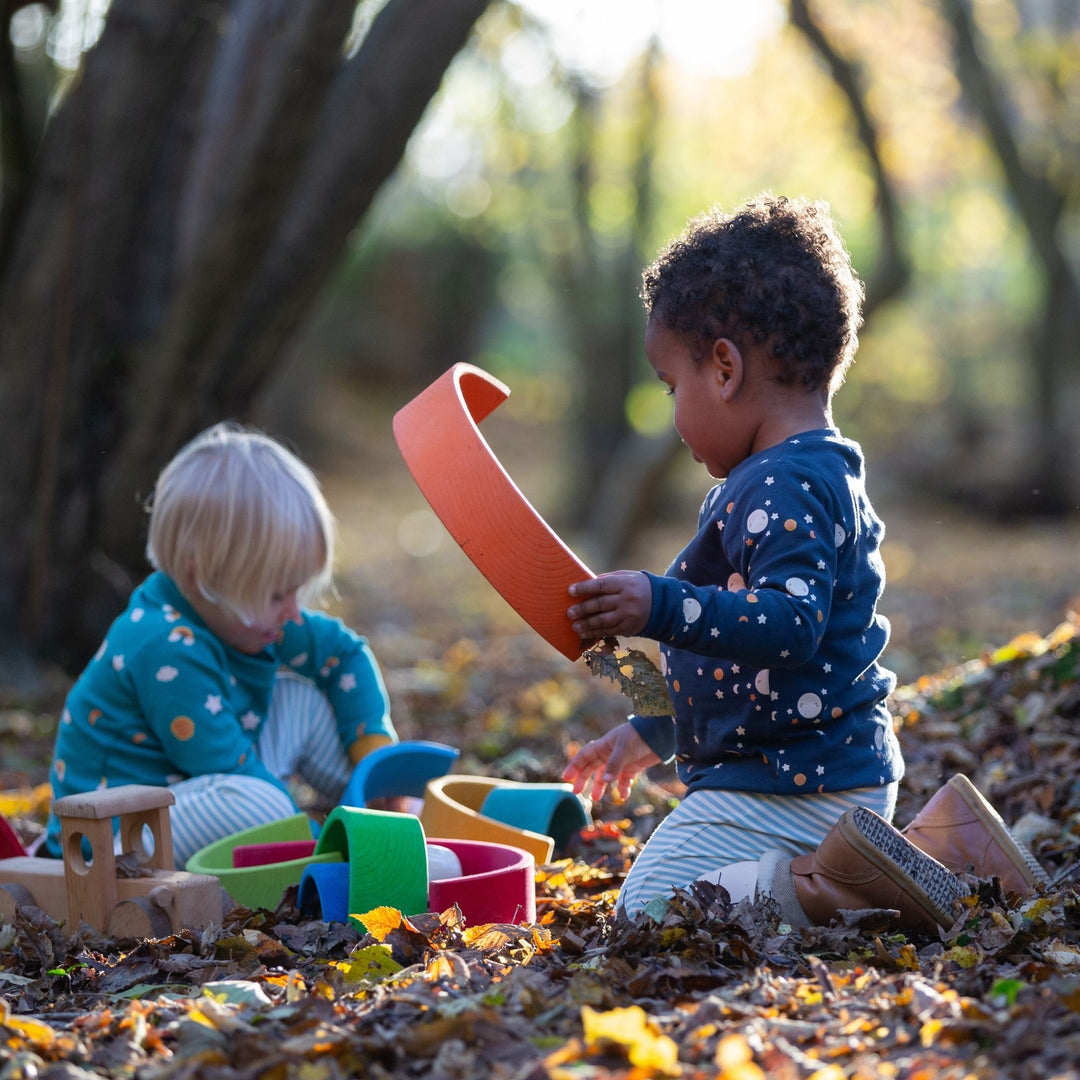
(399, 804)
(612, 760)
(614, 604)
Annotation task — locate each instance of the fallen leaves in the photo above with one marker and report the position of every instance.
(698, 987)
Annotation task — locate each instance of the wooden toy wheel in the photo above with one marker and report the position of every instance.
(139, 917)
(13, 895)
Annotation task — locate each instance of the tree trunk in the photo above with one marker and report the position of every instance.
(191, 198)
(1049, 486)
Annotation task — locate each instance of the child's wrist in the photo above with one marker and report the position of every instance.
(365, 744)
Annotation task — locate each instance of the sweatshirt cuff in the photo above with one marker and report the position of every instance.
(657, 626)
(658, 732)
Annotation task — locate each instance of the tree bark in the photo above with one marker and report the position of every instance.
(1050, 486)
(191, 198)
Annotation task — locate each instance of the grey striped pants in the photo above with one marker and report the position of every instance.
(299, 740)
(712, 829)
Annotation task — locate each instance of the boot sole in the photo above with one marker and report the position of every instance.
(1017, 854)
(932, 886)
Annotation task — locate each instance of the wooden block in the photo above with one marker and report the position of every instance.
(182, 900)
(112, 802)
(175, 900)
(132, 839)
(91, 886)
(43, 879)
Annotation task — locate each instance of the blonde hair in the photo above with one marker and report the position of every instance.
(247, 516)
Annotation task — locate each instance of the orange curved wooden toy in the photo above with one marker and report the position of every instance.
(482, 508)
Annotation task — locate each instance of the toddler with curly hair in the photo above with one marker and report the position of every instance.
(768, 623)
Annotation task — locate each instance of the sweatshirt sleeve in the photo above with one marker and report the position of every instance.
(658, 733)
(781, 534)
(342, 665)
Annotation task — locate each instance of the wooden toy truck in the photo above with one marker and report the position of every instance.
(157, 902)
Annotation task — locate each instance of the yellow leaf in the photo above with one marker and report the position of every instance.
(964, 956)
(630, 1029)
(1021, 646)
(736, 1059)
(381, 921)
(25, 802)
(907, 958)
(371, 964)
(930, 1031)
(487, 937)
(33, 1031)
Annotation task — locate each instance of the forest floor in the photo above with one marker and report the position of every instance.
(704, 989)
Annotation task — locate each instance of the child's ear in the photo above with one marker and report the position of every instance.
(727, 367)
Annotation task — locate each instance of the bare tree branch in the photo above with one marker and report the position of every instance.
(889, 277)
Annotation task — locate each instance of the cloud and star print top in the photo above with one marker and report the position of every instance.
(165, 699)
(769, 634)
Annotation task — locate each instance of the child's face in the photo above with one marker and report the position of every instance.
(703, 417)
(230, 628)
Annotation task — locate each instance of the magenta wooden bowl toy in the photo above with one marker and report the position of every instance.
(497, 883)
(10, 844)
(274, 851)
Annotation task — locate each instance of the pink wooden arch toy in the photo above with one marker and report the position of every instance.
(482, 508)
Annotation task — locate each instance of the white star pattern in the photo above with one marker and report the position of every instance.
(166, 673)
(213, 704)
(118, 662)
(347, 681)
(249, 721)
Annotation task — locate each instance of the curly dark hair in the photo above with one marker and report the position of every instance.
(776, 271)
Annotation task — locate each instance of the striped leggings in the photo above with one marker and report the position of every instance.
(712, 829)
(299, 740)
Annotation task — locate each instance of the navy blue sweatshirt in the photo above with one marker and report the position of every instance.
(769, 633)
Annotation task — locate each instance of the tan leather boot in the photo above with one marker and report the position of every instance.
(960, 829)
(864, 862)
